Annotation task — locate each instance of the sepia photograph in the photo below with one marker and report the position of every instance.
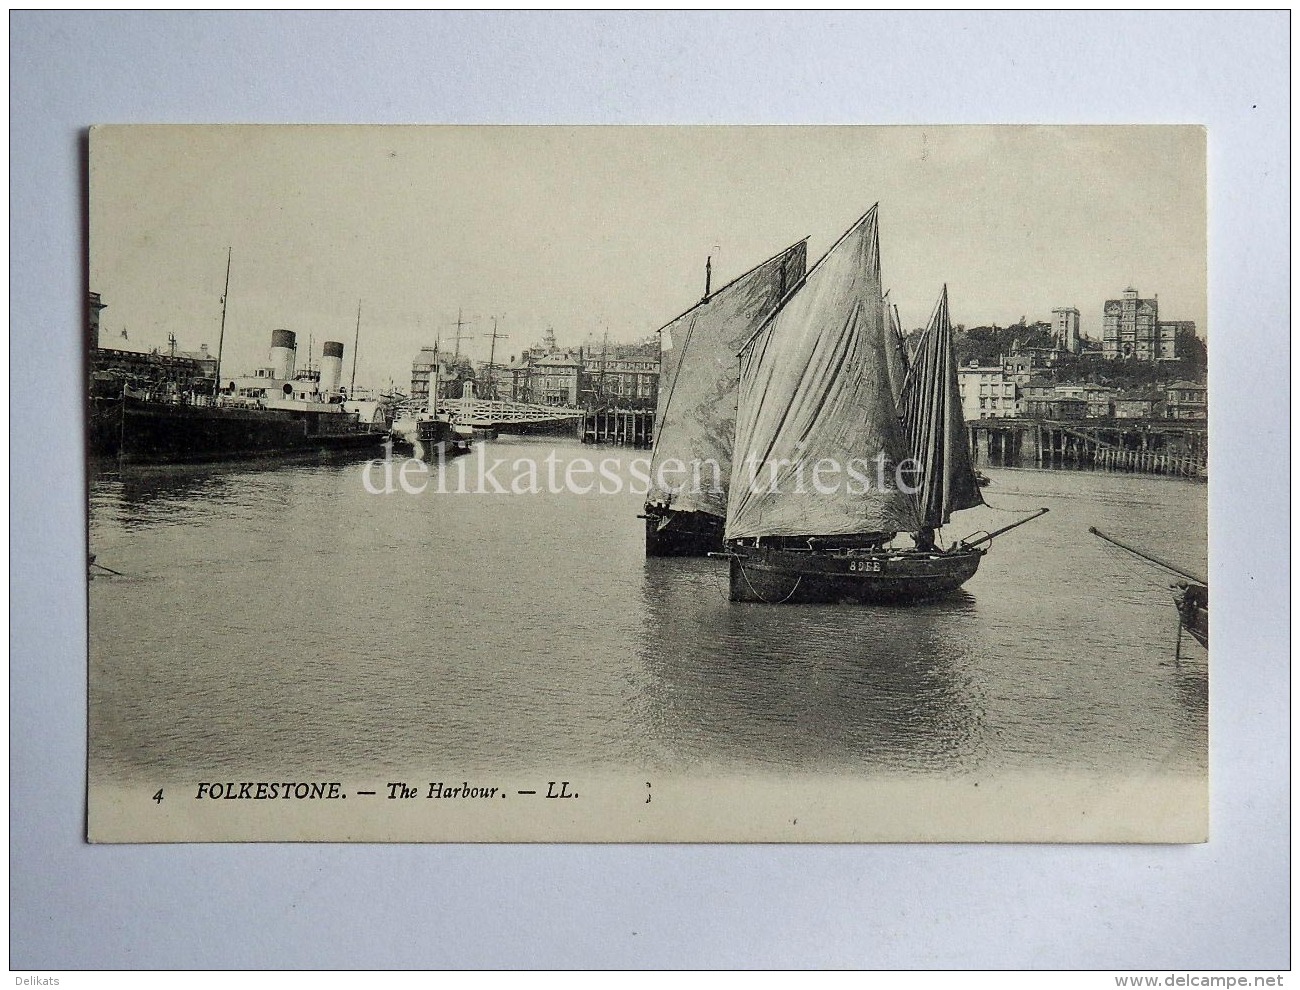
(647, 483)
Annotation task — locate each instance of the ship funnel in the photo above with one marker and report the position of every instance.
(284, 347)
(331, 367)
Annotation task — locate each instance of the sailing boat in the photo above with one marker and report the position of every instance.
(1191, 595)
(696, 416)
(829, 466)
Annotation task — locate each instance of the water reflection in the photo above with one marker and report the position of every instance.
(807, 687)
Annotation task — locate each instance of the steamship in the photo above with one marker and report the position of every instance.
(277, 409)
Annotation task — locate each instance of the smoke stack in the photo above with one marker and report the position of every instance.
(331, 367)
(284, 348)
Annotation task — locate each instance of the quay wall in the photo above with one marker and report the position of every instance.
(1152, 446)
(621, 427)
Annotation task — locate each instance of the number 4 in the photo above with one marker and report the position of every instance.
(158, 797)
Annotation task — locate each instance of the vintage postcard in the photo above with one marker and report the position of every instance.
(649, 484)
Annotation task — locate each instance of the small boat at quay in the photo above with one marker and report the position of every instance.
(430, 430)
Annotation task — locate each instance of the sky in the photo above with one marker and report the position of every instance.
(594, 230)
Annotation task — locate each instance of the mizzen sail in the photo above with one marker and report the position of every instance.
(695, 422)
(817, 429)
(895, 353)
(935, 425)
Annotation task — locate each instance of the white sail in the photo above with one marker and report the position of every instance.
(695, 423)
(818, 436)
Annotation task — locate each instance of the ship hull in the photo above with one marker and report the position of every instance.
(682, 534)
(152, 432)
(430, 437)
(771, 576)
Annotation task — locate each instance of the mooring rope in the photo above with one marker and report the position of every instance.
(797, 582)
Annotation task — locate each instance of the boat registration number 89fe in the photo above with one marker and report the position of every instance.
(874, 566)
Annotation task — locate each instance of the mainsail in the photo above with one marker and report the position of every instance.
(935, 425)
(815, 407)
(696, 417)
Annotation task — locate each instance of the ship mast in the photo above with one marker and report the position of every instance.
(221, 339)
(492, 355)
(460, 323)
(434, 375)
(356, 341)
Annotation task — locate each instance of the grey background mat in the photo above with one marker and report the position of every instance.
(1223, 904)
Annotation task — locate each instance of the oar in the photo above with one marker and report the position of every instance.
(1151, 557)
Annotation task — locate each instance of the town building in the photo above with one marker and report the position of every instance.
(545, 375)
(1101, 401)
(626, 375)
(1056, 405)
(453, 372)
(1019, 366)
(1185, 400)
(986, 392)
(1065, 328)
(1138, 404)
(1036, 389)
(93, 307)
(1131, 330)
(171, 370)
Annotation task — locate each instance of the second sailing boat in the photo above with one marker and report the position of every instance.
(696, 420)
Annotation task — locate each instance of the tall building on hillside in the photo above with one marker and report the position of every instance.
(421, 371)
(986, 392)
(1132, 330)
(1065, 327)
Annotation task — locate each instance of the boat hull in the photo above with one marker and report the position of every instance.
(682, 534)
(773, 576)
(151, 432)
(1193, 602)
(430, 437)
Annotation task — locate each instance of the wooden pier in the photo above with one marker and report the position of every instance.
(621, 427)
(1153, 446)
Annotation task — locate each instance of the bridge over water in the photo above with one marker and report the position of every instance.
(506, 416)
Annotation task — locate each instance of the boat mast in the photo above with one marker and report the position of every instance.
(460, 323)
(492, 357)
(1149, 556)
(434, 375)
(356, 341)
(221, 339)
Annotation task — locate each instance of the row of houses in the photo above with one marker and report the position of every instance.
(593, 374)
(1010, 389)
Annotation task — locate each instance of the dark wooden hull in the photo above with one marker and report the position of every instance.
(847, 577)
(1193, 601)
(682, 534)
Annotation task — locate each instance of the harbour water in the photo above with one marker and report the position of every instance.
(280, 618)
